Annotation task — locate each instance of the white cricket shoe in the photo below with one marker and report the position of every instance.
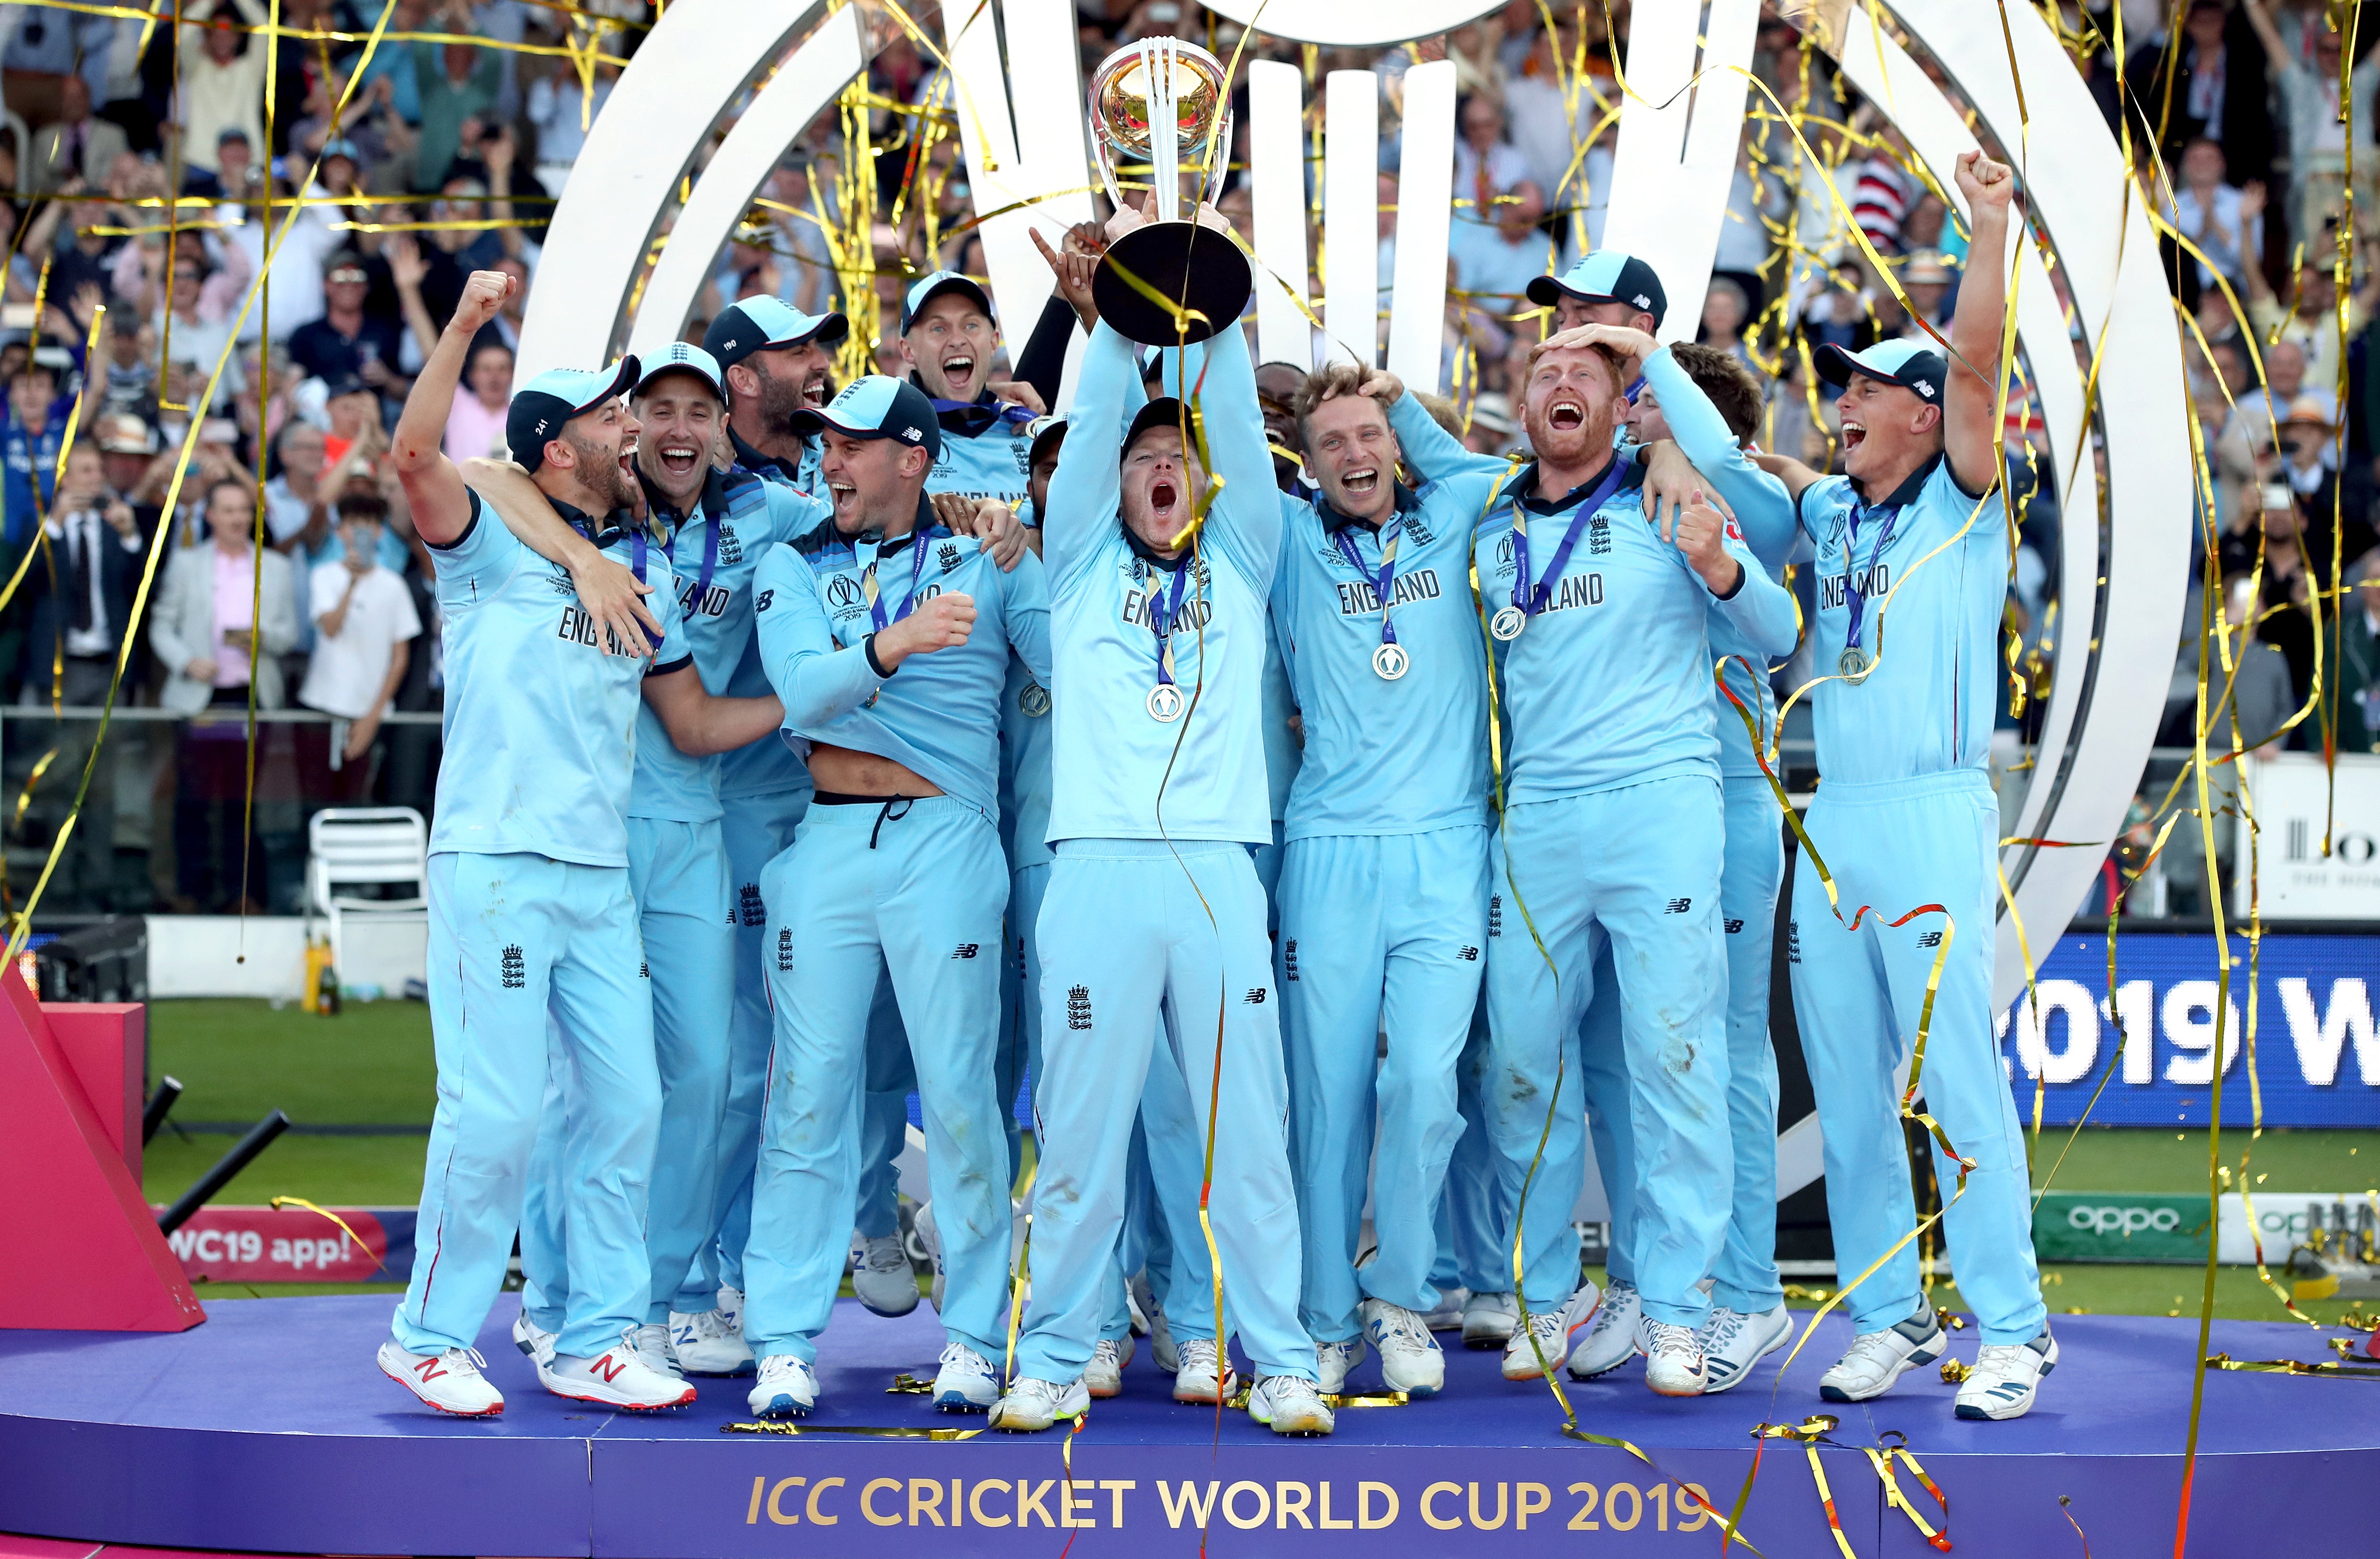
(930, 1236)
(1878, 1358)
(784, 1387)
(966, 1382)
(1673, 1357)
(1103, 1376)
(653, 1347)
(449, 1381)
(1550, 1332)
(1611, 1341)
(532, 1339)
(1203, 1376)
(2005, 1378)
(1290, 1405)
(1488, 1320)
(1452, 1304)
(1031, 1406)
(1733, 1341)
(618, 1377)
(1332, 1361)
(1410, 1359)
(710, 1344)
(882, 1277)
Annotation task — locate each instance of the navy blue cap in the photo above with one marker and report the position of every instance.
(552, 398)
(764, 324)
(1165, 411)
(925, 289)
(878, 407)
(1906, 364)
(679, 358)
(1608, 275)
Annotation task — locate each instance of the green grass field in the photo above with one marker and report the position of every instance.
(373, 1064)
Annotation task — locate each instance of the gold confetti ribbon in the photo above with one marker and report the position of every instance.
(873, 1432)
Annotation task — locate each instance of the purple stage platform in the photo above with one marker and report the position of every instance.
(270, 1429)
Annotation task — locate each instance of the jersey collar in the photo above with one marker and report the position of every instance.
(753, 460)
(614, 527)
(712, 501)
(925, 528)
(972, 418)
(1524, 485)
(1907, 491)
(1333, 521)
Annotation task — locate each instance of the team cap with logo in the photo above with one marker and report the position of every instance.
(925, 289)
(1905, 363)
(878, 407)
(1608, 275)
(679, 358)
(552, 398)
(764, 324)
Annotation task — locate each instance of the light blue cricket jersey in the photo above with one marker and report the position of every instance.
(1117, 773)
(714, 554)
(767, 767)
(938, 713)
(991, 463)
(1610, 685)
(1384, 757)
(1025, 754)
(1282, 754)
(542, 705)
(1927, 704)
(1765, 512)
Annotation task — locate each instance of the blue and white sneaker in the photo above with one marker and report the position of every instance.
(1875, 1359)
(1410, 1359)
(788, 1388)
(1733, 1341)
(2005, 1378)
(966, 1382)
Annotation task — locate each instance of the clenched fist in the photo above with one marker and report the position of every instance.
(939, 623)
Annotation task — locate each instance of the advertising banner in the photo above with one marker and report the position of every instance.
(261, 1245)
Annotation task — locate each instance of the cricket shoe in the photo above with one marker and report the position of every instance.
(532, 1339)
(618, 1377)
(1452, 1304)
(1332, 1361)
(1203, 1377)
(1031, 1406)
(449, 1381)
(1290, 1405)
(930, 1236)
(784, 1387)
(882, 1277)
(1547, 1335)
(1611, 1341)
(710, 1342)
(2004, 1377)
(653, 1347)
(1103, 1376)
(966, 1382)
(1875, 1359)
(1488, 1320)
(1733, 1341)
(1673, 1357)
(1410, 1359)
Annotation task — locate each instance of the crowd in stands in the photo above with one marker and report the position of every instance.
(448, 148)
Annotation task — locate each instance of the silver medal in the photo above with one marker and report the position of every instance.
(1508, 623)
(1165, 703)
(1033, 701)
(1390, 662)
(1854, 665)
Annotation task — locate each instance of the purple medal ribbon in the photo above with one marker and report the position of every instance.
(1530, 597)
(1385, 580)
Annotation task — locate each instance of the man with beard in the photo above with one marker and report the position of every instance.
(531, 915)
(1611, 832)
(1384, 884)
(776, 364)
(718, 527)
(1905, 819)
(888, 639)
(1154, 919)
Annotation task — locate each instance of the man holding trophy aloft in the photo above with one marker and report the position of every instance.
(1159, 578)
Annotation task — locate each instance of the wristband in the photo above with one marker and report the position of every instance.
(867, 648)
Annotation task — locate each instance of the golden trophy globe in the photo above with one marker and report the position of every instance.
(1162, 104)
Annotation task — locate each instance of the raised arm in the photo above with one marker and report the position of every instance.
(442, 506)
(1969, 401)
(1434, 454)
(1245, 519)
(608, 591)
(2276, 51)
(1083, 491)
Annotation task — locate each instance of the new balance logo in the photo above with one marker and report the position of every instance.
(1931, 939)
(1734, 926)
(1078, 1007)
(610, 1367)
(1678, 907)
(1289, 961)
(967, 950)
(785, 949)
(513, 969)
(429, 1369)
(1256, 997)
(1469, 955)
(748, 900)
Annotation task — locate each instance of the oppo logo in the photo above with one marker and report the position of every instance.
(2123, 1220)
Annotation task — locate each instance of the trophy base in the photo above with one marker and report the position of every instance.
(1197, 269)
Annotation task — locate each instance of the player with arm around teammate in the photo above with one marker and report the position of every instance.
(1905, 817)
